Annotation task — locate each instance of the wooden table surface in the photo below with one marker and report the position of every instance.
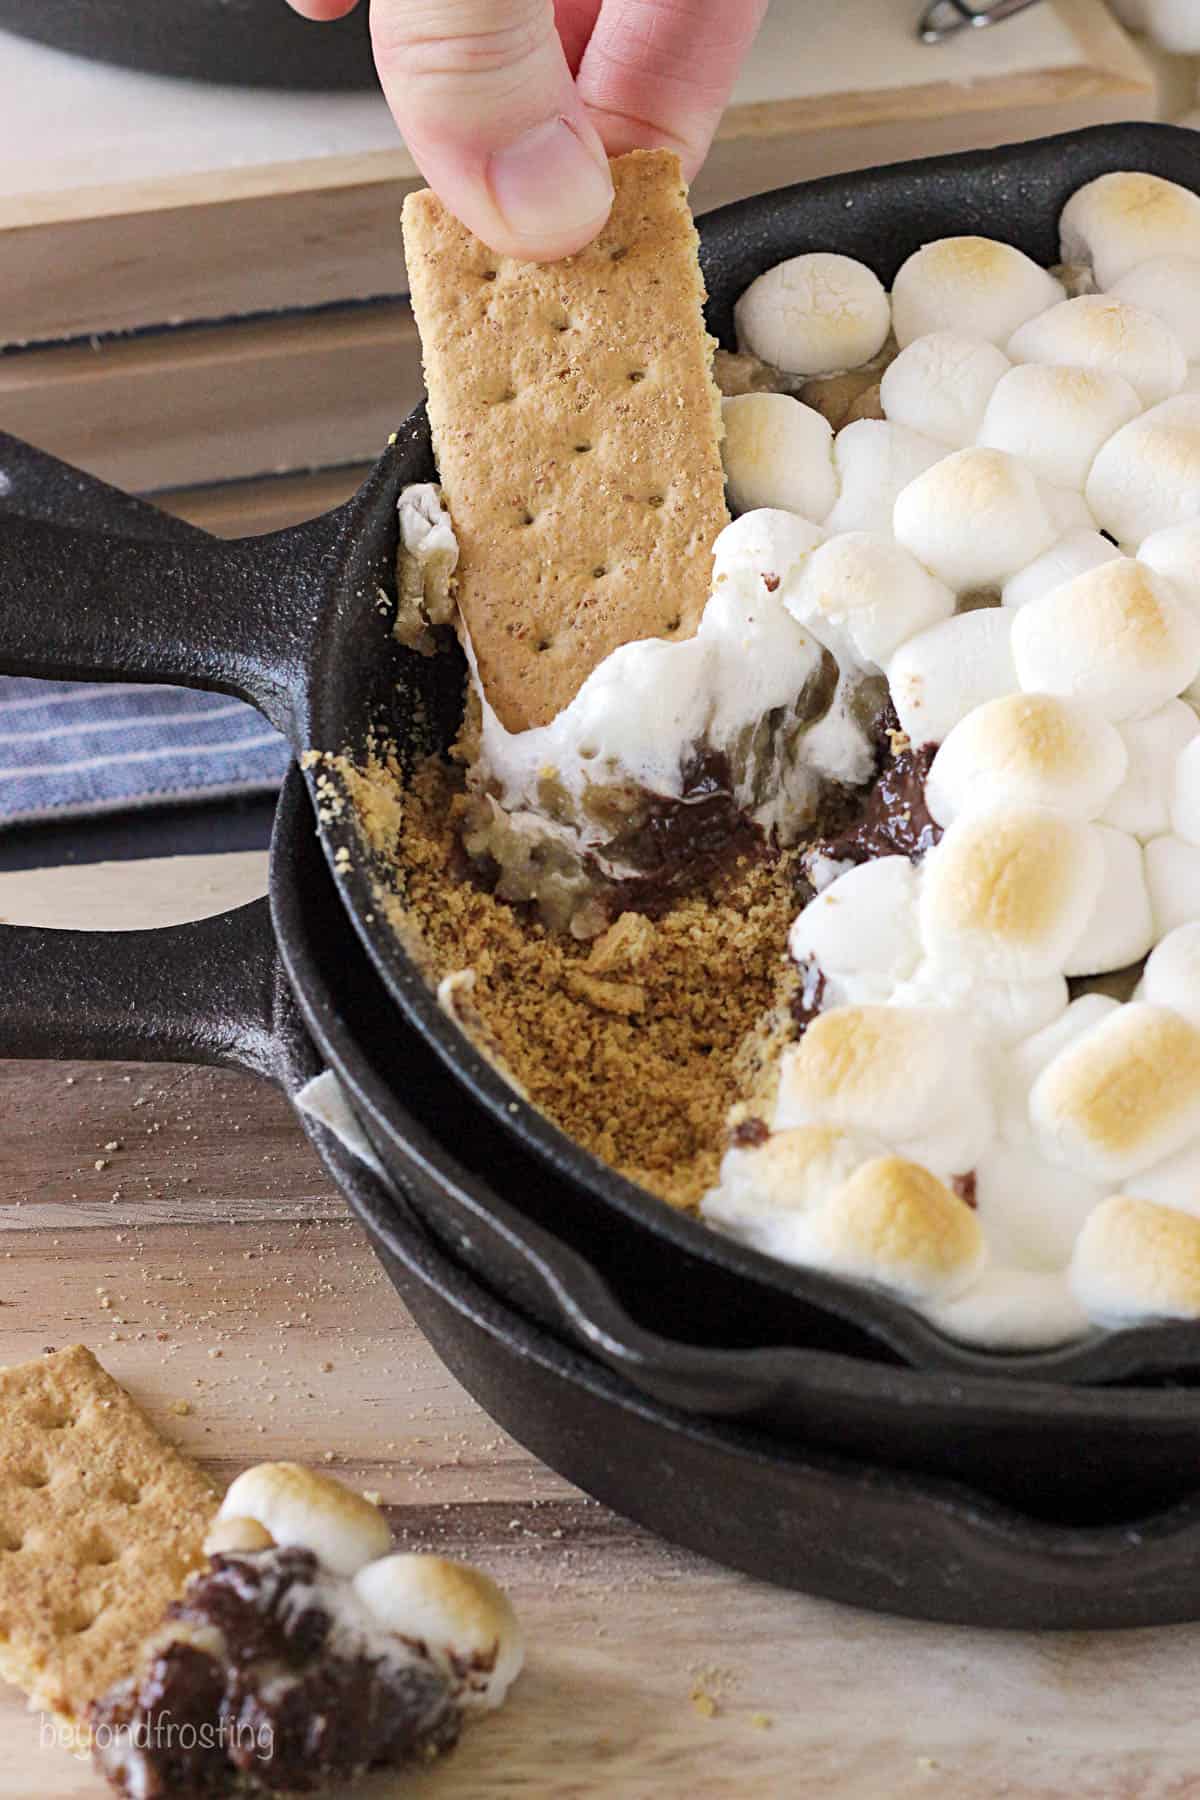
(178, 1222)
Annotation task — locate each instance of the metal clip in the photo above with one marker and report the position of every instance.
(942, 19)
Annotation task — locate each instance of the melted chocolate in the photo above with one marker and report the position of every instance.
(894, 819)
(679, 844)
(748, 1134)
(964, 1186)
(276, 1709)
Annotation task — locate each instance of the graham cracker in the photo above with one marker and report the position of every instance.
(577, 432)
(101, 1522)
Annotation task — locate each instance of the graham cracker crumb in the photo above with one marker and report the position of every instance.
(610, 996)
(646, 1090)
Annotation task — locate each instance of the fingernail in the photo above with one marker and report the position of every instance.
(548, 184)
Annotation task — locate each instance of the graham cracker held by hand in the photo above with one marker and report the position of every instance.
(577, 433)
(101, 1523)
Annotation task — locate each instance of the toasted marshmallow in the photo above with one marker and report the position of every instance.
(874, 461)
(942, 674)
(1141, 805)
(769, 544)
(766, 1189)
(814, 315)
(1120, 220)
(1173, 878)
(970, 284)
(1029, 749)
(1172, 974)
(465, 1622)
(1031, 1211)
(864, 593)
(1123, 1097)
(1168, 287)
(974, 518)
(1026, 1060)
(1055, 419)
(1121, 928)
(1115, 637)
(1184, 789)
(777, 453)
(910, 1076)
(1134, 1260)
(1073, 555)
(302, 1507)
(941, 384)
(1097, 332)
(861, 931)
(1147, 476)
(894, 1223)
(1008, 892)
(1175, 553)
(236, 1537)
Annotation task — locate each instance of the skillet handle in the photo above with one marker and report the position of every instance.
(205, 992)
(95, 585)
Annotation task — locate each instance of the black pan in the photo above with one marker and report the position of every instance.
(847, 1530)
(262, 43)
(290, 622)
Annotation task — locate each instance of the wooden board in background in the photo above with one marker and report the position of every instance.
(201, 217)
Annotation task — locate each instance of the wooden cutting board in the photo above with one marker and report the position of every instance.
(210, 1261)
(130, 200)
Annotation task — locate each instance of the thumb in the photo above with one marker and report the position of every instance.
(483, 95)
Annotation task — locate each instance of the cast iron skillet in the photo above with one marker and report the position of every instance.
(290, 621)
(911, 1544)
(261, 43)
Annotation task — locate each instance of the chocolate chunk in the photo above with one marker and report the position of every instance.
(266, 1682)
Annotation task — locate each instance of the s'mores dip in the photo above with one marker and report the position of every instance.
(832, 869)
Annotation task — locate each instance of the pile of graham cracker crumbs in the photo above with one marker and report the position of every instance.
(636, 1044)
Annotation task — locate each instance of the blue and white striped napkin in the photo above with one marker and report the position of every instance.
(71, 748)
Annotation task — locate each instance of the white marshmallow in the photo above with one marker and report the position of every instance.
(1007, 1308)
(1173, 878)
(1066, 509)
(909, 1076)
(1184, 788)
(1134, 1260)
(1055, 419)
(1147, 476)
(874, 460)
(1123, 1097)
(1121, 928)
(1072, 555)
(1097, 332)
(815, 314)
(1031, 1211)
(861, 931)
(1141, 805)
(974, 518)
(1115, 637)
(1168, 287)
(864, 592)
(465, 1622)
(1122, 219)
(1175, 553)
(1035, 749)
(941, 385)
(777, 453)
(1172, 973)
(942, 674)
(973, 284)
(767, 543)
(1173, 1182)
(300, 1506)
(1027, 1060)
(1008, 892)
(766, 1190)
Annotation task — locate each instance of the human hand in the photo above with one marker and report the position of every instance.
(511, 107)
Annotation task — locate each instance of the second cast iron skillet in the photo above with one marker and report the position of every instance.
(291, 622)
